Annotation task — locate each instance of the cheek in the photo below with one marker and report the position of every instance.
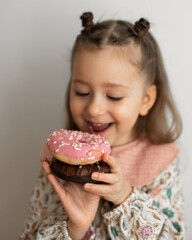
(72, 106)
(75, 108)
(120, 113)
(126, 113)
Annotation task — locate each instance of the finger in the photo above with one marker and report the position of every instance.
(110, 178)
(46, 167)
(99, 189)
(56, 185)
(61, 181)
(112, 162)
(42, 159)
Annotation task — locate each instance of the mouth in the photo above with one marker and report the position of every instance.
(98, 127)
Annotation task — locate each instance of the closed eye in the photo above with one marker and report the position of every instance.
(114, 98)
(81, 94)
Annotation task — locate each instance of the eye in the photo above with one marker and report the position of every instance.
(114, 98)
(82, 94)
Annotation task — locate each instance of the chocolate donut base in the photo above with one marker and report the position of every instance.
(78, 173)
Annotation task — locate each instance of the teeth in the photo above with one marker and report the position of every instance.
(98, 127)
(91, 127)
(98, 124)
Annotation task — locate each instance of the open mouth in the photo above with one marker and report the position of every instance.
(98, 127)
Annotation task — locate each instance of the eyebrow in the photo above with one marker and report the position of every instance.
(104, 84)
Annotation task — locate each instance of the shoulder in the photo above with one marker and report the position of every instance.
(165, 151)
(163, 159)
(168, 176)
(141, 161)
(159, 155)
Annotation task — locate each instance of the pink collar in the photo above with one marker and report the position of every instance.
(141, 161)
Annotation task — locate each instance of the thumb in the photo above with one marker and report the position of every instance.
(54, 182)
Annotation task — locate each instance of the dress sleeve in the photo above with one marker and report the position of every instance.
(152, 212)
(46, 217)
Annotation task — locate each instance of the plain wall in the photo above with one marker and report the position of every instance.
(36, 37)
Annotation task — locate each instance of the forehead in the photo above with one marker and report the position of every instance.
(110, 63)
(130, 52)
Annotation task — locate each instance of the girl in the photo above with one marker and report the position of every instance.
(118, 89)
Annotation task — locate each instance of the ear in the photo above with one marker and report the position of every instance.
(148, 100)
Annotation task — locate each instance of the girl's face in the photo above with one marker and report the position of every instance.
(107, 94)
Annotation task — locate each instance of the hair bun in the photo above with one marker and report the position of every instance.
(87, 21)
(141, 27)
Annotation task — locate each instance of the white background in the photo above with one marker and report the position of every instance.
(36, 37)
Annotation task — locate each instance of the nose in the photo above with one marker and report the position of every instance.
(96, 107)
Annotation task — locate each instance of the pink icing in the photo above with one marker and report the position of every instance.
(78, 145)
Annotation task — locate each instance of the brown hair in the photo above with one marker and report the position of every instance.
(162, 124)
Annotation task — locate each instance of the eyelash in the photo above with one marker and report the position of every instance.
(110, 97)
(81, 94)
(115, 98)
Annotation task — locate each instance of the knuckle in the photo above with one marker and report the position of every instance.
(109, 159)
(116, 179)
(118, 169)
(104, 177)
(112, 159)
(100, 176)
(114, 189)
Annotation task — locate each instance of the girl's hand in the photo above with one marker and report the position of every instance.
(117, 188)
(80, 205)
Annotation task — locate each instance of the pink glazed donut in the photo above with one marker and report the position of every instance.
(76, 155)
(76, 147)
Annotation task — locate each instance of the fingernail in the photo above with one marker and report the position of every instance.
(95, 175)
(87, 186)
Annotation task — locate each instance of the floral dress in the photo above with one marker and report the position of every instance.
(152, 211)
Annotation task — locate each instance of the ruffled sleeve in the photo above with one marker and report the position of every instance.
(152, 212)
(54, 227)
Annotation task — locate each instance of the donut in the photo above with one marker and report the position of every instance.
(76, 155)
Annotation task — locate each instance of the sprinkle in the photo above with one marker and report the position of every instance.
(54, 142)
(61, 145)
(71, 137)
(56, 150)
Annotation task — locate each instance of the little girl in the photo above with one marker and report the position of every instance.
(119, 90)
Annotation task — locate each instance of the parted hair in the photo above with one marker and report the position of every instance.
(162, 124)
